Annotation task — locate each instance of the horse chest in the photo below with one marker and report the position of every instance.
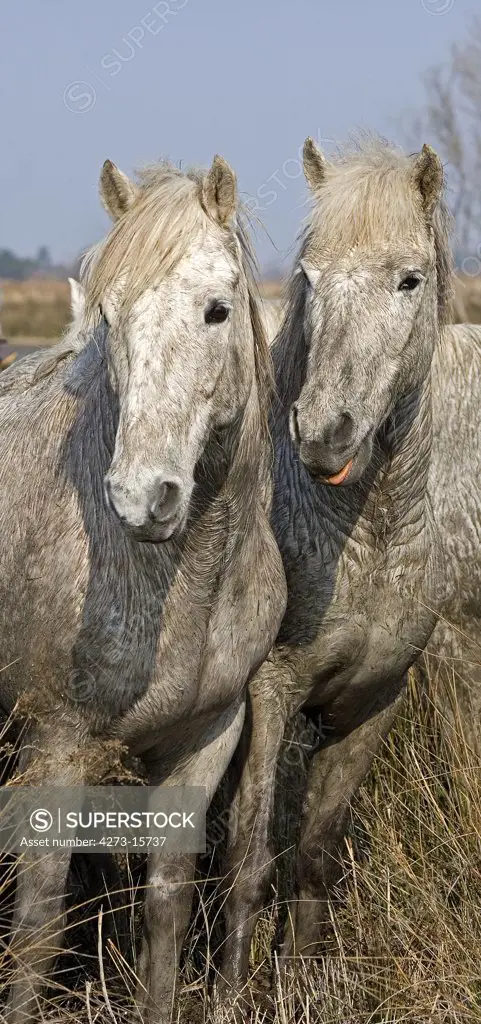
(354, 618)
(205, 657)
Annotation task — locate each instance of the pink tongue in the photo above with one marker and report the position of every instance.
(338, 478)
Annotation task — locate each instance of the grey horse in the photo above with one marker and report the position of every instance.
(352, 429)
(137, 555)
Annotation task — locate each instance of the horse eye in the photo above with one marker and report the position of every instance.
(216, 313)
(409, 283)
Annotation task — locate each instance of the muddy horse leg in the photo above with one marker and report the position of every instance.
(336, 772)
(170, 877)
(39, 915)
(250, 857)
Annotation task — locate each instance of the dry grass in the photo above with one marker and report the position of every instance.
(38, 308)
(467, 300)
(409, 932)
(406, 943)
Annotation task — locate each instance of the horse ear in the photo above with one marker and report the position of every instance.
(117, 192)
(315, 163)
(219, 191)
(77, 298)
(428, 178)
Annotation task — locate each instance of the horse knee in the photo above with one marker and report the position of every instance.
(317, 865)
(40, 893)
(253, 872)
(165, 896)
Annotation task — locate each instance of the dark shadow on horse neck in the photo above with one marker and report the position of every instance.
(129, 581)
(314, 522)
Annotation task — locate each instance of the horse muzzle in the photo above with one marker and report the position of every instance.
(155, 513)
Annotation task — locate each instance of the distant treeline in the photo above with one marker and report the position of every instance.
(20, 268)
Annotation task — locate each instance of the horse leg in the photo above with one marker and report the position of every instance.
(250, 858)
(170, 877)
(335, 774)
(39, 914)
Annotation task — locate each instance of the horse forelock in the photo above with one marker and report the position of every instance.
(148, 240)
(366, 201)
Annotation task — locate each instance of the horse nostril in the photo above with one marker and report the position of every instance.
(162, 495)
(339, 431)
(294, 418)
(167, 498)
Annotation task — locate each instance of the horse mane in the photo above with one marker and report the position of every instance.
(262, 352)
(289, 350)
(368, 198)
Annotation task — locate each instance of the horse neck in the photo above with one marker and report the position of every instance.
(405, 444)
(390, 499)
(242, 454)
(237, 464)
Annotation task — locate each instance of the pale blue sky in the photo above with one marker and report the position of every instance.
(249, 80)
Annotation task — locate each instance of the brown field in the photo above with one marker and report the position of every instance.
(37, 308)
(467, 305)
(271, 289)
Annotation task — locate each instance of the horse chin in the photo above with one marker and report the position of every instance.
(156, 533)
(360, 462)
(352, 469)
